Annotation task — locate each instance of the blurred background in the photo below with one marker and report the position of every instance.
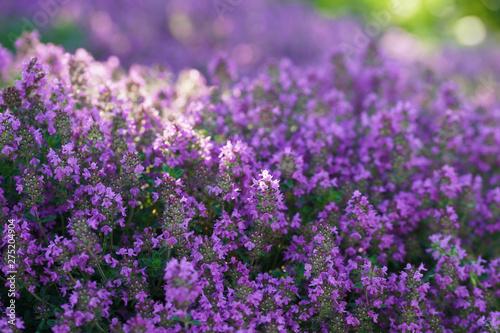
(463, 22)
(452, 36)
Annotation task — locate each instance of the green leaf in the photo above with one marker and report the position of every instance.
(196, 322)
(147, 262)
(196, 227)
(49, 218)
(30, 217)
(216, 208)
(165, 168)
(175, 173)
(41, 326)
(359, 285)
(264, 254)
(56, 199)
(178, 173)
(157, 263)
(429, 274)
(374, 259)
(335, 196)
(473, 279)
(171, 172)
(157, 272)
(299, 270)
(278, 273)
(51, 322)
(177, 318)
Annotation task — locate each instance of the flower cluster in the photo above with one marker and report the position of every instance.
(338, 198)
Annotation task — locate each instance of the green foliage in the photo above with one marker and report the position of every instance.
(431, 20)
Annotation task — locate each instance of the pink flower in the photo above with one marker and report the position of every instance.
(249, 245)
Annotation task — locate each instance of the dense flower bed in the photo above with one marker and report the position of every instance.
(344, 198)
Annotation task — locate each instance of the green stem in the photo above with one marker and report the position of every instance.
(130, 218)
(99, 327)
(71, 276)
(276, 258)
(84, 274)
(102, 273)
(169, 252)
(41, 227)
(158, 286)
(38, 298)
(98, 265)
(35, 295)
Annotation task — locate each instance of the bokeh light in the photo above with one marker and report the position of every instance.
(470, 30)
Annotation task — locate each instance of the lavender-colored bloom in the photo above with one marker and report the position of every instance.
(331, 198)
(182, 286)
